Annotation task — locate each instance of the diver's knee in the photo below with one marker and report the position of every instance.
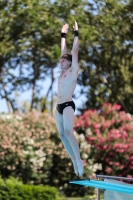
(68, 132)
(61, 135)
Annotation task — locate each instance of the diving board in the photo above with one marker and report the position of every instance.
(105, 185)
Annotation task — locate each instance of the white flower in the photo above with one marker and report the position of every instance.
(96, 167)
(82, 137)
(33, 160)
(37, 163)
(18, 117)
(30, 141)
(26, 152)
(24, 138)
(6, 116)
(40, 153)
(29, 147)
(85, 156)
(88, 131)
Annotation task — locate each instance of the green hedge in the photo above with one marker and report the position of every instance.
(11, 189)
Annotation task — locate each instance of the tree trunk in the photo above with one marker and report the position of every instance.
(33, 94)
(44, 103)
(8, 101)
(52, 100)
(35, 69)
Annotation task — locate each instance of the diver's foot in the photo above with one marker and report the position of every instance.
(80, 165)
(75, 168)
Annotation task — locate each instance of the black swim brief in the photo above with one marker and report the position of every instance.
(60, 107)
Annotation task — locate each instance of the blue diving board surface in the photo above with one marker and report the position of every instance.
(105, 185)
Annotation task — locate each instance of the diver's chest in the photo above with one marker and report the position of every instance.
(66, 78)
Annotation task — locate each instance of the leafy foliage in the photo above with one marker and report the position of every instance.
(30, 47)
(107, 75)
(13, 189)
(109, 131)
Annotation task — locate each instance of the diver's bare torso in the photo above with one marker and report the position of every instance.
(66, 85)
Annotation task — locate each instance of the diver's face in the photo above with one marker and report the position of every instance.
(64, 64)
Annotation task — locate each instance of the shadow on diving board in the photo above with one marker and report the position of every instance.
(105, 185)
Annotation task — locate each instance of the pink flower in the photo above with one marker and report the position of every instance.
(131, 158)
(96, 131)
(88, 123)
(129, 176)
(122, 166)
(121, 150)
(108, 170)
(96, 126)
(117, 164)
(111, 154)
(110, 163)
(104, 147)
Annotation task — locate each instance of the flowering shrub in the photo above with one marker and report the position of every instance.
(85, 147)
(26, 148)
(31, 151)
(109, 132)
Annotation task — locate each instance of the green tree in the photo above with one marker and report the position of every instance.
(108, 67)
(26, 34)
(30, 43)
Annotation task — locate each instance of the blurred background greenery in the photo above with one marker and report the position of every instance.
(30, 149)
(30, 50)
